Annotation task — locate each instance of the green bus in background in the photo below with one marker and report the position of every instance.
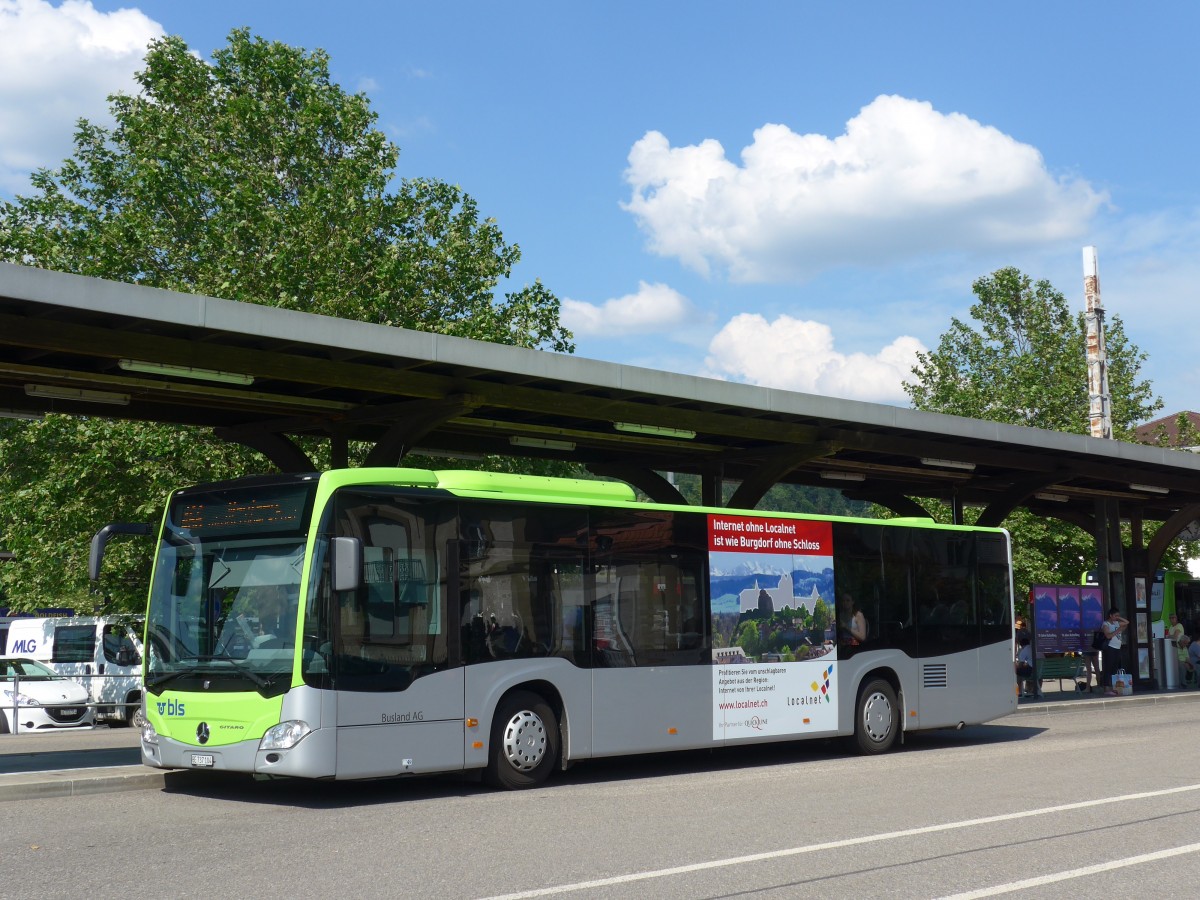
(379, 622)
(1171, 592)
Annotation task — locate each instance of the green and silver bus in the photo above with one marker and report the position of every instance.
(373, 622)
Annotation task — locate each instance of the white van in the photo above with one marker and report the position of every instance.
(102, 654)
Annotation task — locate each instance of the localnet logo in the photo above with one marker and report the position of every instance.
(821, 686)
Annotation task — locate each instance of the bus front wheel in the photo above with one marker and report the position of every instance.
(876, 719)
(525, 742)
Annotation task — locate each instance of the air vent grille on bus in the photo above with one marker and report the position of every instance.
(936, 675)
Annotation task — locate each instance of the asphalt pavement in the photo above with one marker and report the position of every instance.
(62, 763)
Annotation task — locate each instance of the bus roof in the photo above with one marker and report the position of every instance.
(551, 489)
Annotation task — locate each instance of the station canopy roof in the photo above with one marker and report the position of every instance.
(264, 376)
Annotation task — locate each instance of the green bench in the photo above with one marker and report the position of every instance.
(1059, 667)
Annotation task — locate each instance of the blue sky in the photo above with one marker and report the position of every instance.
(790, 194)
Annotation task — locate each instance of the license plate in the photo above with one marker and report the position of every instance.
(202, 760)
(68, 711)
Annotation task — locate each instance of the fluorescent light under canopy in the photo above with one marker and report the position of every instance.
(540, 443)
(154, 368)
(655, 430)
(54, 392)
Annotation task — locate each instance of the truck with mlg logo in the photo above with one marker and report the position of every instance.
(103, 654)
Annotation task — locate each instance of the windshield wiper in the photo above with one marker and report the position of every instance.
(263, 684)
(250, 674)
(165, 679)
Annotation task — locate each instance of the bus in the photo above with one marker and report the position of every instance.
(1171, 592)
(381, 622)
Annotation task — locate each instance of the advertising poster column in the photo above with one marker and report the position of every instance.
(774, 654)
(1064, 617)
(1045, 619)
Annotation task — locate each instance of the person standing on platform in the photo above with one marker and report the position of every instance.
(1114, 628)
(1175, 635)
(1022, 630)
(1192, 665)
(1026, 685)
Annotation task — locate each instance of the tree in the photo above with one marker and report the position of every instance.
(822, 616)
(749, 638)
(256, 178)
(1023, 361)
(253, 178)
(64, 477)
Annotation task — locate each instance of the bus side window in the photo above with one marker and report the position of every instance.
(521, 581)
(649, 609)
(992, 583)
(944, 582)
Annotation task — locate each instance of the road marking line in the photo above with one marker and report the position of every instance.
(837, 845)
(1074, 873)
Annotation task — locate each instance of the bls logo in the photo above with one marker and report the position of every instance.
(170, 708)
(29, 645)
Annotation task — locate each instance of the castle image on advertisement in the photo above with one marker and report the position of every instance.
(752, 598)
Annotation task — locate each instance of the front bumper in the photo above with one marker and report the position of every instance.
(312, 757)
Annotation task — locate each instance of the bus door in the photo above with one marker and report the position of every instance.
(523, 613)
(652, 681)
(399, 702)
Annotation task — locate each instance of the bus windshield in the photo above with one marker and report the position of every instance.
(225, 599)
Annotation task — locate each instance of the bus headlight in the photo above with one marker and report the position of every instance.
(149, 735)
(284, 736)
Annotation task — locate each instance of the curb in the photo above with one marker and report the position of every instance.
(1046, 707)
(79, 782)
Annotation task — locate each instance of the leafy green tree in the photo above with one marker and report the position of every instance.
(253, 178)
(1022, 360)
(822, 616)
(64, 477)
(749, 638)
(256, 178)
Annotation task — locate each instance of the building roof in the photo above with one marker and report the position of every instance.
(1165, 431)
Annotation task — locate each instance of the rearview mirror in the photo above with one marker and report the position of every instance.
(126, 656)
(101, 537)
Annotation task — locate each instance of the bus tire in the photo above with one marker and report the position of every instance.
(525, 742)
(3, 723)
(876, 717)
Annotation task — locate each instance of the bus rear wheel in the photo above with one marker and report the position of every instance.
(876, 720)
(525, 742)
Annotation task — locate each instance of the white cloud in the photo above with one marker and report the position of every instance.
(903, 180)
(59, 64)
(654, 308)
(799, 355)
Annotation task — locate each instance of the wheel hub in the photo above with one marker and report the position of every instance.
(525, 743)
(877, 717)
